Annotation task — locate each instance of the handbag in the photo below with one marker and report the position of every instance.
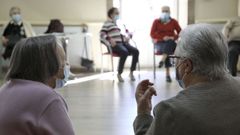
(86, 62)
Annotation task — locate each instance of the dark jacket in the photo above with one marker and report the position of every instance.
(211, 108)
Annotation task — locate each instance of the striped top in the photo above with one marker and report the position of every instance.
(110, 30)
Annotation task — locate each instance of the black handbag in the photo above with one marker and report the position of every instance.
(86, 62)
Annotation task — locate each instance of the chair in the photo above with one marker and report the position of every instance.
(112, 55)
(109, 53)
(158, 53)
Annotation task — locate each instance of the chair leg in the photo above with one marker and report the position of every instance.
(138, 69)
(112, 65)
(154, 65)
(102, 64)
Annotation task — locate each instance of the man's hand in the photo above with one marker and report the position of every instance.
(113, 43)
(143, 95)
(4, 41)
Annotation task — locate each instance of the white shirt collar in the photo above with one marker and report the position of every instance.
(19, 23)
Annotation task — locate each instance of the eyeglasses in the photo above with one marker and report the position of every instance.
(173, 59)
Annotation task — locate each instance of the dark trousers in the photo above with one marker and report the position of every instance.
(166, 47)
(123, 50)
(234, 51)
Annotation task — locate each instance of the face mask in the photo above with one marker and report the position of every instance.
(61, 82)
(16, 18)
(180, 81)
(116, 17)
(165, 17)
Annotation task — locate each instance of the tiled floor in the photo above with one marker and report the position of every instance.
(100, 106)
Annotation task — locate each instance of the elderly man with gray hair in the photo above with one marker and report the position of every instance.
(209, 103)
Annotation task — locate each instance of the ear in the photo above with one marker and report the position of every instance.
(189, 66)
(111, 16)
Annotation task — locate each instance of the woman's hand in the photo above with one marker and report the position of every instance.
(166, 38)
(126, 39)
(4, 41)
(143, 95)
(113, 43)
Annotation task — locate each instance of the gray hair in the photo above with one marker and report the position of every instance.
(35, 58)
(14, 9)
(206, 48)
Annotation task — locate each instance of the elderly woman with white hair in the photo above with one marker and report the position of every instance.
(209, 103)
(16, 29)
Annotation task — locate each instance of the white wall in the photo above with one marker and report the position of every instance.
(215, 10)
(70, 11)
(183, 13)
(238, 7)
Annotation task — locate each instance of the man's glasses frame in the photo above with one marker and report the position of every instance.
(173, 59)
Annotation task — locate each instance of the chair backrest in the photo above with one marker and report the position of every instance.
(109, 49)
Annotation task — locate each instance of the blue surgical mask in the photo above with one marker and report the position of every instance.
(116, 17)
(61, 82)
(16, 18)
(165, 17)
(66, 72)
(180, 81)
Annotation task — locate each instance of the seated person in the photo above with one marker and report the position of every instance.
(15, 30)
(56, 26)
(209, 103)
(164, 33)
(232, 32)
(28, 102)
(111, 36)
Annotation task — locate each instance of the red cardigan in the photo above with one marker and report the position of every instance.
(160, 30)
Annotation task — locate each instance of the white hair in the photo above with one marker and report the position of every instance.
(206, 48)
(14, 9)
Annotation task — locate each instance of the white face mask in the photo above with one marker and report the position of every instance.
(61, 82)
(165, 17)
(116, 17)
(179, 80)
(16, 18)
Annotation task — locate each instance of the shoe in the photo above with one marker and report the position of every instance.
(71, 76)
(120, 79)
(160, 64)
(168, 79)
(132, 78)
